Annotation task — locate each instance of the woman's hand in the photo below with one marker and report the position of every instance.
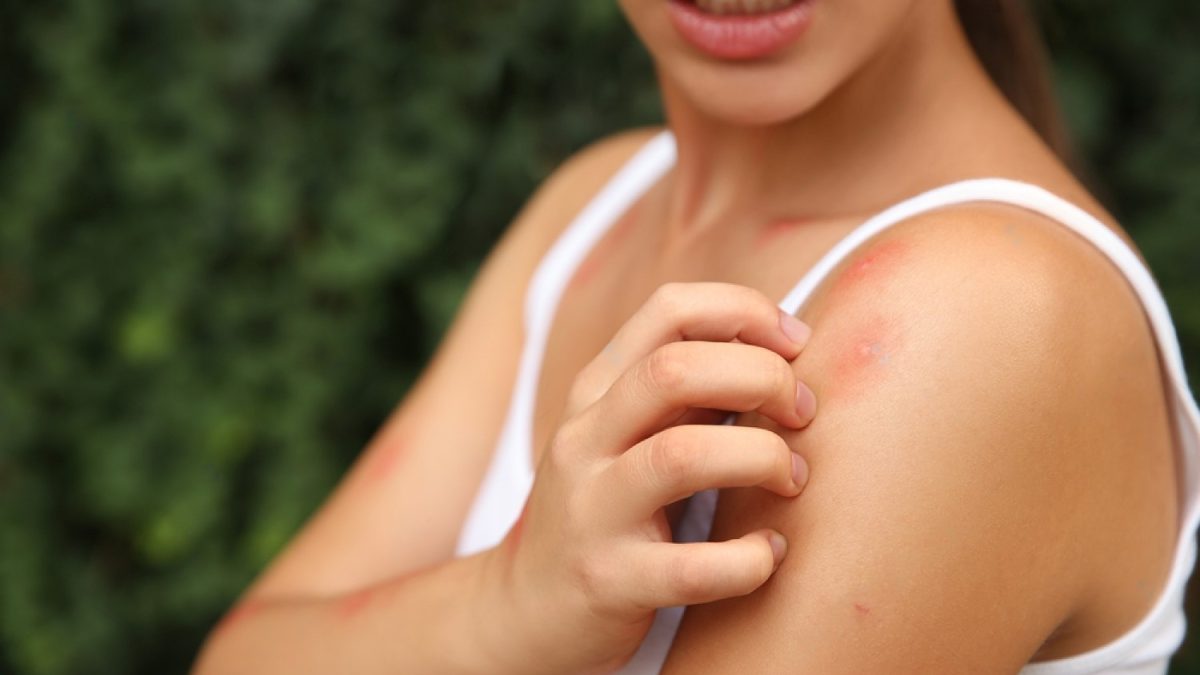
(592, 557)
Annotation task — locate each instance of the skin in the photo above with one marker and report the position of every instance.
(986, 384)
(738, 173)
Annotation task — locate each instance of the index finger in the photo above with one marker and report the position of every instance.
(703, 310)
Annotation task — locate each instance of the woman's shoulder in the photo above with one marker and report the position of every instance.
(989, 295)
(1008, 317)
(990, 434)
(995, 262)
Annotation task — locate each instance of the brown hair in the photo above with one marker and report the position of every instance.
(1005, 36)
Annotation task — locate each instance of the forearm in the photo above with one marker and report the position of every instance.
(441, 619)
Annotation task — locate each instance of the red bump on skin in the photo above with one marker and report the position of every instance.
(383, 463)
(862, 609)
(876, 263)
(240, 612)
(355, 602)
(777, 229)
(386, 456)
(864, 355)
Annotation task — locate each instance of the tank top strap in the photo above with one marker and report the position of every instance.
(509, 476)
(549, 281)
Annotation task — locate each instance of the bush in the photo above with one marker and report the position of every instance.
(233, 231)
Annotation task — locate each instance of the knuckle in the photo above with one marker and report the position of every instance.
(669, 298)
(758, 301)
(666, 367)
(690, 576)
(667, 454)
(565, 443)
(582, 392)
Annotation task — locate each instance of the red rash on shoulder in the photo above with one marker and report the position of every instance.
(619, 231)
(864, 355)
(874, 265)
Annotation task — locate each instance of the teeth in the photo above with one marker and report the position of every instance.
(742, 6)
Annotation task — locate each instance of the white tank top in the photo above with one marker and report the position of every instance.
(1143, 650)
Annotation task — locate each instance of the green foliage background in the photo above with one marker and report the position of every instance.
(232, 231)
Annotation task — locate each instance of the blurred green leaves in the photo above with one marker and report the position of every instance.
(231, 233)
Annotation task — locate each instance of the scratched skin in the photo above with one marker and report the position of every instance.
(862, 358)
(860, 348)
(385, 452)
(384, 463)
(871, 267)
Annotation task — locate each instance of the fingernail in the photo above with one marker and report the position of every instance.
(806, 403)
(799, 470)
(795, 329)
(778, 547)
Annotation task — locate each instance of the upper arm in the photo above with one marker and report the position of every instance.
(424, 460)
(977, 415)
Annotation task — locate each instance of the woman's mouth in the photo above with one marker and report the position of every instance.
(740, 29)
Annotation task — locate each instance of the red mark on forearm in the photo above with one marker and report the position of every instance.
(875, 264)
(386, 456)
(355, 602)
(240, 612)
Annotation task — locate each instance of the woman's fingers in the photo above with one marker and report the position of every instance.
(682, 460)
(708, 311)
(677, 376)
(668, 575)
(641, 431)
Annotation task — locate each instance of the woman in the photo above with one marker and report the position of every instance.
(1001, 476)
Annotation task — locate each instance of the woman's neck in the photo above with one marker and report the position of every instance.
(885, 133)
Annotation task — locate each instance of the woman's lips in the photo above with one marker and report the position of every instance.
(740, 36)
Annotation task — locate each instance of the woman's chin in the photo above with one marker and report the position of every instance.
(749, 103)
(748, 113)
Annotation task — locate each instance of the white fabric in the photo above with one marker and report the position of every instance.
(1143, 650)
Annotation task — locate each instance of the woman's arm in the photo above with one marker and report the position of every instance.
(990, 464)
(400, 506)
(444, 619)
